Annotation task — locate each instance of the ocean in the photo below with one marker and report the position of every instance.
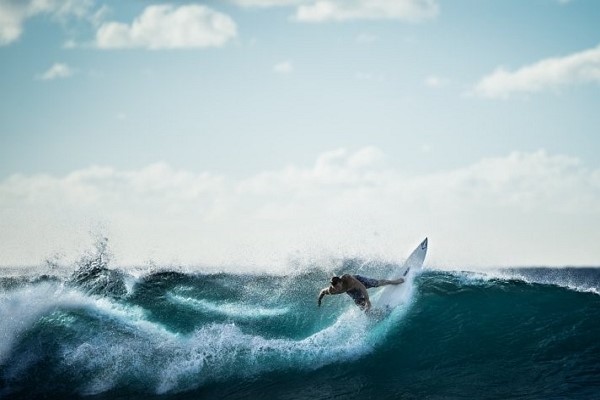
(99, 332)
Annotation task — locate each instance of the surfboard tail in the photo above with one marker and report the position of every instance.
(394, 295)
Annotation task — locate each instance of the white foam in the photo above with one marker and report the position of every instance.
(218, 351)
(233, 310)
(21, 309)
(213, 352)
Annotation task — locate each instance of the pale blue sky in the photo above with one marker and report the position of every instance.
(421, 88)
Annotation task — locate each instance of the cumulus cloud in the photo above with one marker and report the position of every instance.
(547, 74)
(169, 27)
(13, 14)
(56, 71)
(522, 208)
(342, 10)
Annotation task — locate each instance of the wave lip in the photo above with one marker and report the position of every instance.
(584, 280)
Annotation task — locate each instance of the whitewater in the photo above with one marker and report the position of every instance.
(98, 331)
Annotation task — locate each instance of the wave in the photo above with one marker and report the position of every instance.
(175, 332)
(106, 344)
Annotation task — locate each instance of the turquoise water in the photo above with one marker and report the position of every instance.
(102, 333)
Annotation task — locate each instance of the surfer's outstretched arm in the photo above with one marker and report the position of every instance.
(321, 295)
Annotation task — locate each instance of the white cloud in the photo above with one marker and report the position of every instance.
(284, 67)
(56, 71)
(267, 3)
(346, 10)
(13, 14)
(523, 208)
(343, 10)
(366, 38)
(168, 27)
(550, 73)
(435, 82)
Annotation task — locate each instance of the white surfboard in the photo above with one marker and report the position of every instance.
(393, 295)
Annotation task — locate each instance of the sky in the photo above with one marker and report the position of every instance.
(253, 133)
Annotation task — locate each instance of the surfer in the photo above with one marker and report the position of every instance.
(356, 287)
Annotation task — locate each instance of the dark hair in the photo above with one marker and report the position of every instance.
(335, 280)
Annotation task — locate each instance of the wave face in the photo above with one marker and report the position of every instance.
(515, 333)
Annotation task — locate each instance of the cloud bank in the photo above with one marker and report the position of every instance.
(547, 74)
(520, 209)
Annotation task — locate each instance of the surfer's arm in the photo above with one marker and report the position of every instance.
(322, 294)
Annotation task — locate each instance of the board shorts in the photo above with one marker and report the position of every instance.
(356, 294)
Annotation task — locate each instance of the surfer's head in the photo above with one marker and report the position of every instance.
(335, 280)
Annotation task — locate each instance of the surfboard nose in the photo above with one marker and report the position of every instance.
(424, 244)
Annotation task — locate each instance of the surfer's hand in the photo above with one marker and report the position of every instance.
(368, 305)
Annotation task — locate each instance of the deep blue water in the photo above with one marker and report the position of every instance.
(101, 333)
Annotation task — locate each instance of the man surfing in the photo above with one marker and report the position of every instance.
(356, 287)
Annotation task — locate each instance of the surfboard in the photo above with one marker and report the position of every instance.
(392, 296)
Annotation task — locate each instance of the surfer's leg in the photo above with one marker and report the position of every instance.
(368, 282)
(391, 282)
